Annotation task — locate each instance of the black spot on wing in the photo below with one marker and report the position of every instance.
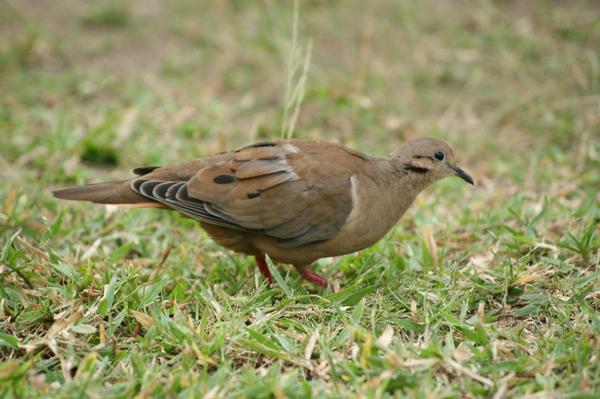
(224, 179)
(253, 194)
(144, 170)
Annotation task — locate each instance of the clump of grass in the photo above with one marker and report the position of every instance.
(298, 67)
(585, 243)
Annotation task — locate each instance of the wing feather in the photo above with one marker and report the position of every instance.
(274, 189)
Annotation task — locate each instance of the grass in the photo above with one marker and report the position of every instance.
(485, 292)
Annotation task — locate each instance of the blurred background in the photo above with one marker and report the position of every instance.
(142, 82)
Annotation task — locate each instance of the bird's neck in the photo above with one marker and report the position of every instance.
(397, 187)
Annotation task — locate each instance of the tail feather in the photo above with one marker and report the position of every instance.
(116, 192)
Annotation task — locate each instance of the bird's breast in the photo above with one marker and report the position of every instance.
(373, 214)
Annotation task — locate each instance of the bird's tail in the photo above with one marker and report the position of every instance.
(115, 193)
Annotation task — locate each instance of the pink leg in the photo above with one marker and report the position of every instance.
(261, 262)
(307, 273)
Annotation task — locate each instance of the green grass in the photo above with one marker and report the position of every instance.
(485, 292)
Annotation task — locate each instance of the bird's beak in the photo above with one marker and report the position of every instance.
(462, 174)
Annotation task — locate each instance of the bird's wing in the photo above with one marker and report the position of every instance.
(276, 189)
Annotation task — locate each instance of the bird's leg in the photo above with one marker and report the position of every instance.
(261, 262)
(307, 273)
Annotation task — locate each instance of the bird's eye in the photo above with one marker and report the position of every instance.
(439, 155)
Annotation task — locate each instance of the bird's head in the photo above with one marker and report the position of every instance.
(430, 159)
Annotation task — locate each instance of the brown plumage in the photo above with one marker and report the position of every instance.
(296, 201)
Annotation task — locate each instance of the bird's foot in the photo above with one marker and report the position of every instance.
(307, 273)
(261, 262)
